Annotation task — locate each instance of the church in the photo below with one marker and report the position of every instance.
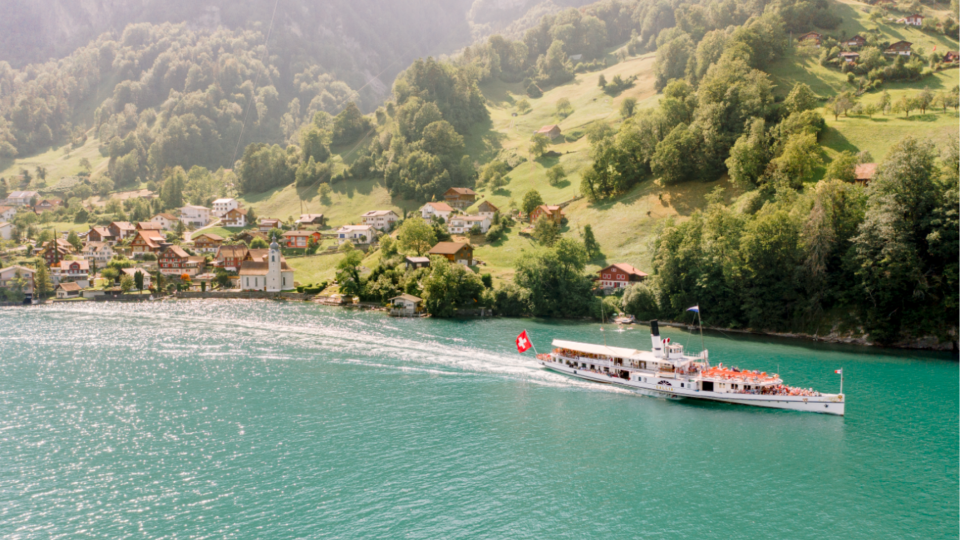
(270, 275)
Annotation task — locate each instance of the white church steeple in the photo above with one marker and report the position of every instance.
(274, 278)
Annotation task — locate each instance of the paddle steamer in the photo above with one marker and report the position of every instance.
(667, 372)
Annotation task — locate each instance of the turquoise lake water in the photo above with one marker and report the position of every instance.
(254, 419)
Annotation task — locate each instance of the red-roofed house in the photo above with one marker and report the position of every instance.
(75, 271)
(551, 131)
(619, 275)
(148, 241)
(864, 173)
(436, 209)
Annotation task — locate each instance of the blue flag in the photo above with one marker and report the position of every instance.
(694, 308)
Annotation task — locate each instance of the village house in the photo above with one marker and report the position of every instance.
(46, 205)
(300, 239)
(207, 242)
(68, 289)
(358, 234)
(949, 57)
(914, 20)
(436, 209)
(9, 274)
(195, 216)
(100, 234)
(460, 197)
(166, 221)
(174, 261)
(551, 132)
(552, 212)
(148, 241)
(460, 224)
(149, 226)
(222, 206)
(7, 212)
(257, 255)
(810, 38)
(311, 219)
(412, 263)
(97, 252)
(864, 173)
(902, 48)
(132, 272)
(619, 275)
(849, 57)
(457, 252)
(269, 223)
(405, 305)
(487, 209)
(75, 271)
(55, 251)
(121, 230)
(235, 217)
(855, 42)
(21, 198)
(6, 230)
(381, 220)
(231, 256)
(271, 275)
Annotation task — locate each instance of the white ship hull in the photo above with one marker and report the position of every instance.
(669, 386)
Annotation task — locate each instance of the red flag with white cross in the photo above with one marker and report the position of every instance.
(523, 342)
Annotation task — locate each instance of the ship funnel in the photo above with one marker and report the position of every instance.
(655, 338)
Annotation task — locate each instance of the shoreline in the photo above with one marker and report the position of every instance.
(928, 343)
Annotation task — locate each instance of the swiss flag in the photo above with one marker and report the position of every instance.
(523, 342)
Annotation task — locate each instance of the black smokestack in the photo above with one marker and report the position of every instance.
(654, 328)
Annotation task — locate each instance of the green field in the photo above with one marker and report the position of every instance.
(58, 162)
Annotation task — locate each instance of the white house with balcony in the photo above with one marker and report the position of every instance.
(357, 234)
(21, 198)
(220, 207)
(460, 224)
(436, 209)
(72, 271)
(381, 220)
(197, 216)
(97, 252)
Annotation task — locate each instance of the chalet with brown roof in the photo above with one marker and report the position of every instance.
(46, 205)
(100, 234)
(551, 132)
(855, 42)
(249, 235)
(149, 226)
(148, 241)
(231, 256)
(457, 252)
(864, 173)
(487, 209)
(619, 275)
(458, 197)
(207, 242)
(902, 48)
(311, 219)
(552, 212)
(55, 251)
(850, 57)
(235, 217)
(121, 230)
(175, 261)
(68, 289)
(269, 223)
(811, 38)
(914, 20)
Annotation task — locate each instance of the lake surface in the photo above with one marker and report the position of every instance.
(271, 420)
